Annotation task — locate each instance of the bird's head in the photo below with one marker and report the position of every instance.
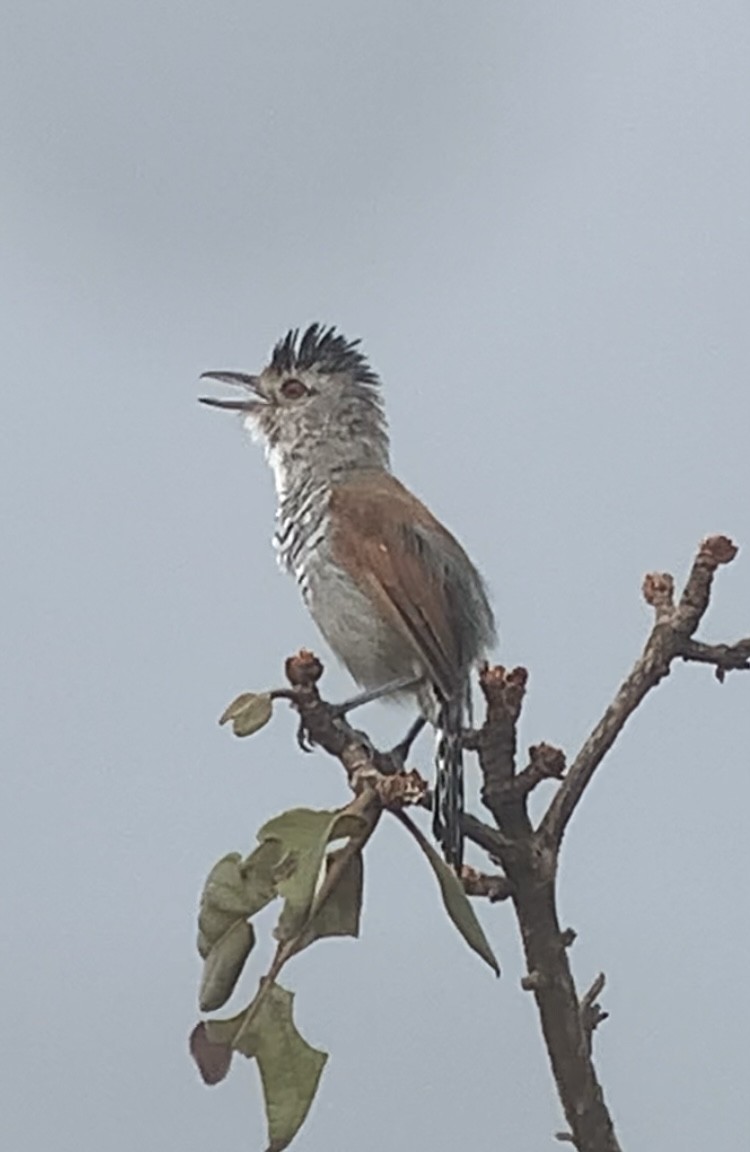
(317, 394)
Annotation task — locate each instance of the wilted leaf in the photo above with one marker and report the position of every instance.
(249, 712)
(458, 906)
(223, 965)
(290, 1068)
(212, 1057)
(224, 1032)
(303, 835)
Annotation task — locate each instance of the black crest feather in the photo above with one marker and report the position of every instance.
(322, 348)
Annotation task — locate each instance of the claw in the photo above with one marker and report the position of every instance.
(303, 738)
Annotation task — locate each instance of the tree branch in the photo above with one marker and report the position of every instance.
(567, 1034)
(529, 858)
(670, 638)
(355, 751)
(530, 865)
(724, 657)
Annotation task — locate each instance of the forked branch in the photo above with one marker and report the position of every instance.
(670, 639)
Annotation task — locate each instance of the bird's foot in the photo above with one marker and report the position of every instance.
(305, 743)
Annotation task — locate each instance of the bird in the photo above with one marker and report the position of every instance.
(392, 591)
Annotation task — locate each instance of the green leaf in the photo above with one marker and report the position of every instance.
(259, 874)
(290, 1069)
(223, 965)
(340, 913)
(249, 712)
(458, 906)
(222, 901)
(303, 835)
(236, 889)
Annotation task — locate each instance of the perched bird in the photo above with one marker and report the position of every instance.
(392, 591)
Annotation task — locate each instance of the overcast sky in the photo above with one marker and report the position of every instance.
(537, 217)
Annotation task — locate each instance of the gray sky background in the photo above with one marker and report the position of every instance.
(537, 216)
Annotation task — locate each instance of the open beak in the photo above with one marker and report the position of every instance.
(238, 380)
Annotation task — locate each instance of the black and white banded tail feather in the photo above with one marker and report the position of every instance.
(448, 803)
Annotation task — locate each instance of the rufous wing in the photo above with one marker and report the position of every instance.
(401, 556)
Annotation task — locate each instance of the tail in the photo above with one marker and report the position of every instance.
(448, 805)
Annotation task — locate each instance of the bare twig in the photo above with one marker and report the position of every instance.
(713, 552)
(492, 886)
(724, 657)
(545, 763)
(481, 834)
(592, 1013)
(670, 638)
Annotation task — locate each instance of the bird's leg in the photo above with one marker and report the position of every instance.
(401, 750)
(389, 689)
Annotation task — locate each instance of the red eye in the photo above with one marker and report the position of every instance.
(293, 389)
